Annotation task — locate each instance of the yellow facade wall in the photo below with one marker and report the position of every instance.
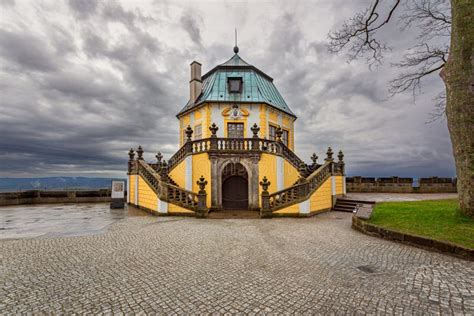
(202, 167)
(267, 168)
(178, 174)
(267, 115)
(290, 174)
(206, 133)
(291, 136)
(273, 115)
(290, 210)
(339, 185)
(321, 199)
(146, 196)
(175, 209)
(200, 116)
(197, 114)
(131, 181)
(184, 121)
(287, 122)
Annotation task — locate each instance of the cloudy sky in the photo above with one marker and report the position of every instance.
(82, 81)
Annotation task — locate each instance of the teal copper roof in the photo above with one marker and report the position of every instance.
(257, 86)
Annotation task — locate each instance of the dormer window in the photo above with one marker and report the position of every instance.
(235, 85)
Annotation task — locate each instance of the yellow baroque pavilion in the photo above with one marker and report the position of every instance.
(236, 153)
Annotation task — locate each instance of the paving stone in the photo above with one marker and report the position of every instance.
(193, 266)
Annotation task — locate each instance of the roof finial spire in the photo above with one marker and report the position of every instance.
(236, 48)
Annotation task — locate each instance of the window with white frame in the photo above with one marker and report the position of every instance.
(284, 137)
(198, 131)
(272, 132)
(235, 130)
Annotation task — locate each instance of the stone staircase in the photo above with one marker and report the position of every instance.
(167, 190)
(301, 190)
(348, 205)
(170, 180)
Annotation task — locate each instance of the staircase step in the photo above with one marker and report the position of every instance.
(355, 201)
(347, 203)
(343, 210)
(347, 208)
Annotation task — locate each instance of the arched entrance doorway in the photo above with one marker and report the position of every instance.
(235, 187)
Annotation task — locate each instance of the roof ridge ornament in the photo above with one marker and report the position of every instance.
(236, 48)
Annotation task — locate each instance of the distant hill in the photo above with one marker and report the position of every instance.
(53, 183)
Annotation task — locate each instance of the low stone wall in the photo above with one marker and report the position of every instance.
(414, 240)
(400, 185)
(437, 185)
(42, 197)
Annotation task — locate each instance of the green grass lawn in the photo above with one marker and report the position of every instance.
(437, 219)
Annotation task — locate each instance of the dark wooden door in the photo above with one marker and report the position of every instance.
(235, 193)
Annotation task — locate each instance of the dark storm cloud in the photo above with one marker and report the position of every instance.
(83, 8)
(94, 45)
(191, 26)
(27, 51)
(347, 106)
(79, 90)
(7, 3)
(79, 116)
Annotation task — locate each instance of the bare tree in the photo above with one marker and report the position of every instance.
(357, 35)
(438, 22)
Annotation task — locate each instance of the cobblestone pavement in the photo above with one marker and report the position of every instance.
(396, 197)
(176, 265)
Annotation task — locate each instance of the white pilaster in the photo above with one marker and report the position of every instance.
(304, 207)
(253, 118)
(344, 191)
(162, 207)
(280, 165)
(333, 185)
(191, 121)
(128, 189)
(136, 189)
(216, 117)
(188, 181)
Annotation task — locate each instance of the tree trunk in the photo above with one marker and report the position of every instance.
(459, 79)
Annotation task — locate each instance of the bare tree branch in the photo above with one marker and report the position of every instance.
(439, 111)
(432, 18)
(418, 62)
(357, 35)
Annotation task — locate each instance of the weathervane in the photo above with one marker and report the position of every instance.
(236, 48)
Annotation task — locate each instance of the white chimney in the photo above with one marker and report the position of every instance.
(195, 84)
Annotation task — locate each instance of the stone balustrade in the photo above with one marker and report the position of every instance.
(54, 196)
(157, 178)
(233, 145)
(298, 192)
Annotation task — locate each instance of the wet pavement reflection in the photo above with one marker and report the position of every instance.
(60, 219)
